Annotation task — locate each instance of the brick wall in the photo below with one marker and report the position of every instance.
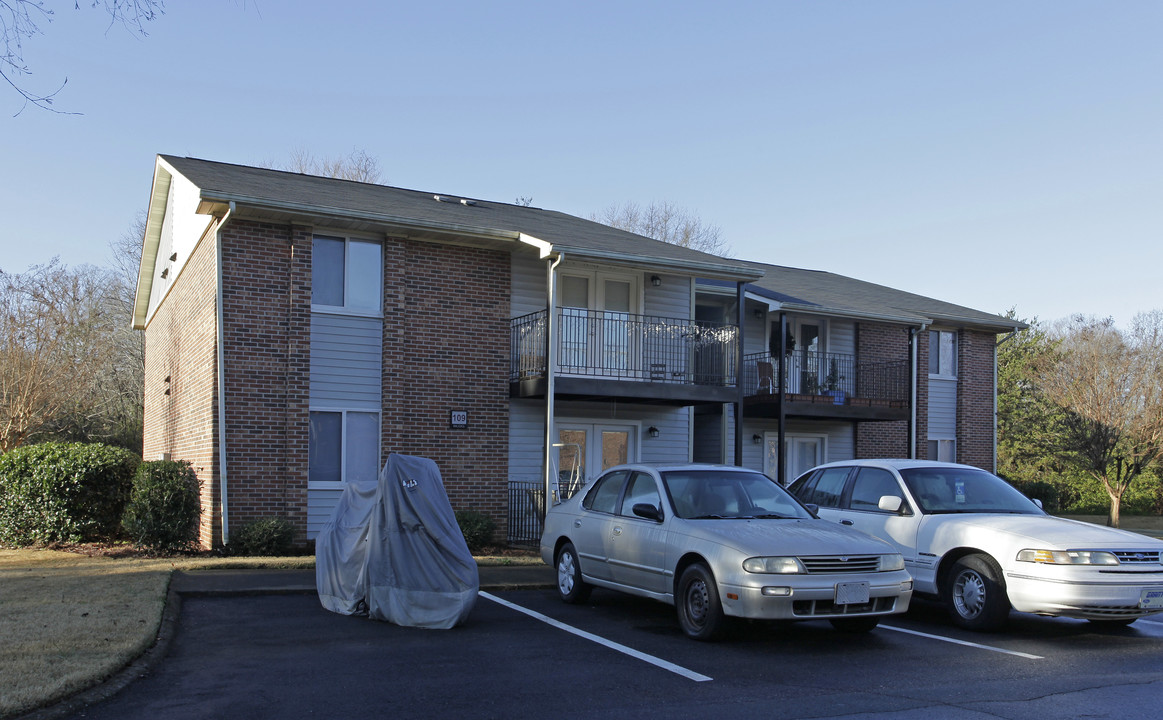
(266, 338)
(882, 343)
(446, 347)
(181, 345)
(975, 378)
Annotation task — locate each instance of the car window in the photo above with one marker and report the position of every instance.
(716, 494)
(803, 485)
(640, 490)
(829, 487)
(870, 485)
(953, 489)
(603, 497)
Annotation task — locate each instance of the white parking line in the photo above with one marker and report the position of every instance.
(964, 642)
(676, 669)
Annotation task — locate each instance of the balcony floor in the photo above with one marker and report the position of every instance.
(656, 393)
(823, 406)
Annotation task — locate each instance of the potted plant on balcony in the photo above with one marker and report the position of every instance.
(832, 385)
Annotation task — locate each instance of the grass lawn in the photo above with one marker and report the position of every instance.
(68, 621)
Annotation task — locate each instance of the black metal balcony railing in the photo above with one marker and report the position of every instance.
(622, 346)
(838, 374)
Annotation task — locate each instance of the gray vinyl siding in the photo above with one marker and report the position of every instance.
(526, 440)
(346, 361)
(841, 444)
(528, 285)
(346, 373)
(672, 299)
(842, 337)
(942, 408)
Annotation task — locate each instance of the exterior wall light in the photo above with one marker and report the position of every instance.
(655, 281)
(757, 439)
(653, 431)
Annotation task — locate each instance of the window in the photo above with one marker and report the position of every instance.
(943, 450)
(829, 487)
(343, 446)
(871, 484)
(346, 273)
(641, 490)
(942, 353)
(604, 496)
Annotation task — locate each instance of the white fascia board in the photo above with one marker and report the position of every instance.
(159, 194)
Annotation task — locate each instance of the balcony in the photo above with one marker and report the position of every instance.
(603, 354)
(826, 385)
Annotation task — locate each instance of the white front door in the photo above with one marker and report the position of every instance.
(804, 452)
(598, 331)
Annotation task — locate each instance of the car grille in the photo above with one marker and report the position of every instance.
(839, 564)
(827, 608)
(1137, 557)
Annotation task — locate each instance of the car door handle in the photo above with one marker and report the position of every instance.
(845, 522)
(577, 523)
(617, 531)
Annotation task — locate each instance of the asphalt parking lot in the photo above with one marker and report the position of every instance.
(524, 653)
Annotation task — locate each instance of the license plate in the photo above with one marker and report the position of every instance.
(1151, 600)
(851, 593)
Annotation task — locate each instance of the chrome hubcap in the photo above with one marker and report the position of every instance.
(565, 573)
(969, 594)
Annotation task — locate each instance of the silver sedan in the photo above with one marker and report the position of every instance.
(719, 541)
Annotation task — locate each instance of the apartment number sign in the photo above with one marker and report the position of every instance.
(457, 419)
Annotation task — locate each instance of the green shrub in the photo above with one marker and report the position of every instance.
(63, 492)
(267, 537)
(476, 527)
(163, 509)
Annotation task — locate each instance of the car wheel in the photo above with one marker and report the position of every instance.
(855, 625)
(975, 594)
(700, 613)
(570, 585)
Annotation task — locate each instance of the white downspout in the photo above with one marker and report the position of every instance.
(550, 363)
(222, 381)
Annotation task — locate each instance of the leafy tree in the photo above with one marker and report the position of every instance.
(21, 20)
(667, 222)
(1027, 421)
(1109, 385)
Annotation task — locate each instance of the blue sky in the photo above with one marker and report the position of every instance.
(992, 154)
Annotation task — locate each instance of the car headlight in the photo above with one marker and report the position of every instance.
(893, 561)
(1068, 557)
(774, 565)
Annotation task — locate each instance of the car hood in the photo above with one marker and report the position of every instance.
(786, 537)
(1043, 531)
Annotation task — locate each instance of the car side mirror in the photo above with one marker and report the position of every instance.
(648, 511)
(890, 503)
(813, 508)
(1039, 504)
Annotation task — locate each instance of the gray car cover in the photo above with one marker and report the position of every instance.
(396, 551)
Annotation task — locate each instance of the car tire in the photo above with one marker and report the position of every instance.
(700, 612)
(570, 585)
(975, 594)
(855, 625)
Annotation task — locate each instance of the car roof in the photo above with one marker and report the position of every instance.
(675, 467)
(894, 463)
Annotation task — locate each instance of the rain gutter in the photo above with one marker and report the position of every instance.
(222, 379)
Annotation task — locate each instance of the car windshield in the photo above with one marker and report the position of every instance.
(965, 490)
(718, 494)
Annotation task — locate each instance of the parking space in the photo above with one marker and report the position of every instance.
(284, 656)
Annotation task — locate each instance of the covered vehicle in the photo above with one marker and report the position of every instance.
(393, 550)
(973, 540)
(719, 541)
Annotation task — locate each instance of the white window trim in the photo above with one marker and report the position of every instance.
(347, 239)
(343, 410)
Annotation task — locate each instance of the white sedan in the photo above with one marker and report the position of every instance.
(718, 541)
(971, 539)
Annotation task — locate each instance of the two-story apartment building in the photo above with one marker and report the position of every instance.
(299, 329)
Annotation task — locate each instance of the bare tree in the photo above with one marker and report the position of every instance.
(21, 20)
(357, 165)
(1110, 384)
(667, 222)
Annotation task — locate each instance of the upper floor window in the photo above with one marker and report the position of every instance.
(942, 353)
(346, 274)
